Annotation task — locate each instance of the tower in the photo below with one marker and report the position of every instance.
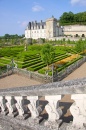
(51, 25)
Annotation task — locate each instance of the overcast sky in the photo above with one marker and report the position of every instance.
(15, 14)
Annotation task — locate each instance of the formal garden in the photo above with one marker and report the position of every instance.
(40, 57)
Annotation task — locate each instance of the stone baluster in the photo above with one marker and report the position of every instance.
(32, 106)
(20, 105)
(10, 103)
(78, 110)
(33, 109)
(53, 110)
(2, 104)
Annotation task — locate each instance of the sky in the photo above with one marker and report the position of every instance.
(15, 14)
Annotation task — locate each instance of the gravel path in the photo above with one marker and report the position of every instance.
(17, 81)
(78, 73)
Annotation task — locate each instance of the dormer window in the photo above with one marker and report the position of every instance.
(42, 27)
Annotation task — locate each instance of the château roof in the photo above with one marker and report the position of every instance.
(35, 24)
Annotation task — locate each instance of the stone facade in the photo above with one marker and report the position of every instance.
(75, 30)
(51, 29)
(48, 29)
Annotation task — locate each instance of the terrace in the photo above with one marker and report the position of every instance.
(42, 107)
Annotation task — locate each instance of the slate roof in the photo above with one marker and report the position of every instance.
(35, 24)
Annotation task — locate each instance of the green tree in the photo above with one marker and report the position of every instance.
(48, 54)
(68, 18)
(80, 46)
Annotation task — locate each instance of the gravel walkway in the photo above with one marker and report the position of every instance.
(78, 73)
(17, 81)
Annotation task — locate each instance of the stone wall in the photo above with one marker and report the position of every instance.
(70, 69)
(67, 38)
(74, 29)
(46, 78)
(6, 73)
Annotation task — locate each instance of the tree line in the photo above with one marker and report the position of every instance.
(8, 39)
(68, 18)
(8, 36)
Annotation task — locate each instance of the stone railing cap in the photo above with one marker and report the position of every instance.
(77, 86)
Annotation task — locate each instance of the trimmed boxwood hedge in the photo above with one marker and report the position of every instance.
(68, 64)
(36, 68)
(42, 71)
(40, 65)
(24, 65)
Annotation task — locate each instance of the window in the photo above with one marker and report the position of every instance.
(42, 27)
(83, 35)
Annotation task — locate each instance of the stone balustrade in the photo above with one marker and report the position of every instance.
(39, 107)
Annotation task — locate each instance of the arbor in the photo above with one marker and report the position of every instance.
(48, 54)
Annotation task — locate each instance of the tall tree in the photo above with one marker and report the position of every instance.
(68, 18)
(47, 54)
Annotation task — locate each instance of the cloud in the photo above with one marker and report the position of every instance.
(80, 2)
(37, 8)
(23, 24)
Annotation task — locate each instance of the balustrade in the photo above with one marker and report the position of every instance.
(78, 110)
(32, 106)
(26, 101)
(3, 104)
(9, 104)
(53, 110)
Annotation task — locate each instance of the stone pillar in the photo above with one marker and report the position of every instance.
(34, 109)
(20, 105)
(2, 104)
(32, 106)
(10, 103)
(53, 110)
(78, 110)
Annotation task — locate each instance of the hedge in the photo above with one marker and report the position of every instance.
(36, 68)
(42, 71)
(68, 64)
(33, 60)
(30, 64)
